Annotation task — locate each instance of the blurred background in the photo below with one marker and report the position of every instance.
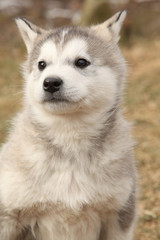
(140, 44)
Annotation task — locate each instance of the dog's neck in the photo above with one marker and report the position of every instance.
(71, 139)
(78, 125)
(76, 131)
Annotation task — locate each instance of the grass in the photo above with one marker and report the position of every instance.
(10, 88)
(142, 106)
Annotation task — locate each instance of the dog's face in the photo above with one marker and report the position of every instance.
(73, 69)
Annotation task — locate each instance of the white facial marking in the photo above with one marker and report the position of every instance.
(92, 87)
(65, 31)
(48, 52)
(75, 48)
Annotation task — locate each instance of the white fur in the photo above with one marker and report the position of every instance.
(59, 175)
(78, 88)
(110, 29)
(28, 35)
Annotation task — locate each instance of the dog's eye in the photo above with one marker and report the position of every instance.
(81, 63)
(41, 65)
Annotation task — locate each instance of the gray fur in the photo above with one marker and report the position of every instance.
(26, 235)
(107, 52)
(127, 213)
(67, 169)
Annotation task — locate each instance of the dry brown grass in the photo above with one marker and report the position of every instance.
(142, 107)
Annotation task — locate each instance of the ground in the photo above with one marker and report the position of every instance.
(142, 107)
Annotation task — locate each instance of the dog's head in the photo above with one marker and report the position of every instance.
(73, 69)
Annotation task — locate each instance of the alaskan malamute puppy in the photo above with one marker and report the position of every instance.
(67, 170)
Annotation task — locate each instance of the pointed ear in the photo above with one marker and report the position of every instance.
(29, 32)
(110, 29)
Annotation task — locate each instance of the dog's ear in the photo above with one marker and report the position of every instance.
(110, 29)
(29, 32)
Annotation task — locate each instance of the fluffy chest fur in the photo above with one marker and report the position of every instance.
(67, 170)
(62, 192)
(74, 171)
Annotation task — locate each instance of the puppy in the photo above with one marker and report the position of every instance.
(67, 170)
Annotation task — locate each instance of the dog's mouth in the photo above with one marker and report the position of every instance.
(56, 100)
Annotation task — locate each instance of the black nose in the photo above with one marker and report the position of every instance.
(52, 84)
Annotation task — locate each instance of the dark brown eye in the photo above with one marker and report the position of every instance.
(81, 63)
(41, 65)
